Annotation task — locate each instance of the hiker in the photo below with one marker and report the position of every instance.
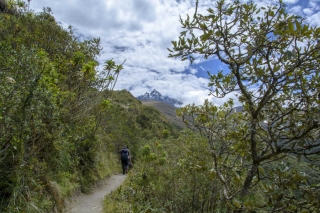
(124, 156)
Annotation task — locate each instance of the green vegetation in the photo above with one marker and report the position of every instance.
(246, 161)
(169, 111)
(61, 123)
(177, 175)
(272, 59)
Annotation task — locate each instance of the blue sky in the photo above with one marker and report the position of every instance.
(140, 31)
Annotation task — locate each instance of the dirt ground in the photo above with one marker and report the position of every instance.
(92, 203)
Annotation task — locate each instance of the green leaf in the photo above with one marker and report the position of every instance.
(210, 10)
(236, 203)
(298, 25)
(290, 26)
(249, 48)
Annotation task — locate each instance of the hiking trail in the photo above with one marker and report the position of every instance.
(92, 203)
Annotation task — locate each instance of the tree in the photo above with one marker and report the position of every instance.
(50, 109)
(273, 62)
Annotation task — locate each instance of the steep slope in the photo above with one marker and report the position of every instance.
(168, 110)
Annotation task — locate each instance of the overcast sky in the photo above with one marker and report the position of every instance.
(140, 31)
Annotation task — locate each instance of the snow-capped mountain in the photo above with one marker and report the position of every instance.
(156, 96)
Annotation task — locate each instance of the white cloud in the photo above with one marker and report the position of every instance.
(314, 19)
(140, 32)
(315, 4)
(290, 1)
(296, 9)
(174, 85)
(193, 71)
(307, 11)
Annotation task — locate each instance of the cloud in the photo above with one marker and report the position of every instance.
(193, 71)
(181, 86)
(314, 4)
(290, 1)
(314, 19)
(296, 9)
(308, 11)
(140, 31)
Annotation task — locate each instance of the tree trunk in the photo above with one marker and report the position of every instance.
(247, 183)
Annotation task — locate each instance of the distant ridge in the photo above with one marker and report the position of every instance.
(167, 110)
(156, 96)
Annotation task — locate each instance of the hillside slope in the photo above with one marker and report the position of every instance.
(168, 110)
(61, 124)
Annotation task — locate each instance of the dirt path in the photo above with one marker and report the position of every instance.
(92, 203)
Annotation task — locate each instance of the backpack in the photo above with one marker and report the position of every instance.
(124, 154)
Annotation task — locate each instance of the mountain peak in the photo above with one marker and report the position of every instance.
(155, 95)
(155, 92)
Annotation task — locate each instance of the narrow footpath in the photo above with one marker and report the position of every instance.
(92, 203)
